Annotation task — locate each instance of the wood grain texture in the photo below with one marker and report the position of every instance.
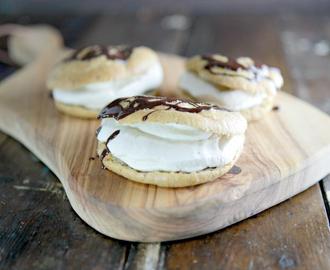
(295, 233)
(284, 154)
(38, 228)
(284, 237)
(326, 189)
(306, 43)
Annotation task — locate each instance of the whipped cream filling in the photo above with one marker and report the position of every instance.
(168, 147)
(235, 100)
(95, 96)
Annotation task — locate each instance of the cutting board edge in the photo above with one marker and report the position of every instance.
(30, 141)
(83, 200)
(125, 232)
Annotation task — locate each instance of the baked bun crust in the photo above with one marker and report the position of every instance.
(228, 74)
(99, 64)
(204, 116)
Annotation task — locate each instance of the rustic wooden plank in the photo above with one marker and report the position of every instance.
(3, 137)
(306, 41)
(294, 233)
(326, 192)
(38, 228)
(146, 29)
(143, 256)
(307, 45)
(71, 26)
(285, 236)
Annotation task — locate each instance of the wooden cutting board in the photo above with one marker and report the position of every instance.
(285, 153)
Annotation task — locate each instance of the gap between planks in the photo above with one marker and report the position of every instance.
(3, 138)
(147, 256)
(325, 189)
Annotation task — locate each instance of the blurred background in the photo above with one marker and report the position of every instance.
(290, 34)
(186, 6)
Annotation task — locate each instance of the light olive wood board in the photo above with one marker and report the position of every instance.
(285, 153)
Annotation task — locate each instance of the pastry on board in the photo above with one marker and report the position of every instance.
(96, 75)
(240, 84)
(169, 142)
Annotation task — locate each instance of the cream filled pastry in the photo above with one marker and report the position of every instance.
(240, 84)
(169, 142)
(94, 76)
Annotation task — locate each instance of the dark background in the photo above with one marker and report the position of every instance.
(167, 6)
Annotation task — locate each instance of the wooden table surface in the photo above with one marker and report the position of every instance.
(39, 229)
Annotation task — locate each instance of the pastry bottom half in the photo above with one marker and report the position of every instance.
(85, 113)
(164, 178)
(257, 112)
(76, 111)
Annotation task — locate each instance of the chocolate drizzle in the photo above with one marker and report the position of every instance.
(122, 52)
(276, 108)
(144, 118)
(232, 64)
(113, 135)
(235, 170)
(98, 131)
(116, 110)
(106, 151)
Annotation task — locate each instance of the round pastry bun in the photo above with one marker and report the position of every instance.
(92, 64)
(148, 109)
(242, 78)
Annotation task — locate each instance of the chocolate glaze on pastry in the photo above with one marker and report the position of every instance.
(122, 52)
(231, 63)
(234, 65)
(116, 110)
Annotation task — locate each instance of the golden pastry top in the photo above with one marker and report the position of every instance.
(204, 116)
(100, 64)
(242, 73)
